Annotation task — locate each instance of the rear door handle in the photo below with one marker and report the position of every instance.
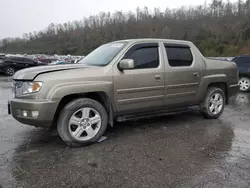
(196, 74)
(158, 77)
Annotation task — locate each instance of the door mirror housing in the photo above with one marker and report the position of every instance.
(126, 64)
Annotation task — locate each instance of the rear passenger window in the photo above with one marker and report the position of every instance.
(146, 57)
(179, 56)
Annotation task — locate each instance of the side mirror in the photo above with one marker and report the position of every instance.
(126, 64)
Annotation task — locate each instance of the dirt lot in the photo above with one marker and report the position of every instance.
(175, 151)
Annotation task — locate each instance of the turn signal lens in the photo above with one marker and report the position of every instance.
(36, 86)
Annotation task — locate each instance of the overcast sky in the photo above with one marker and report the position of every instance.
(20, 16)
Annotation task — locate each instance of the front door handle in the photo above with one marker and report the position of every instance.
(158, 77)
(196, 74)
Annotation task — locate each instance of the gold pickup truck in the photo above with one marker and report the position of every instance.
(120, 81)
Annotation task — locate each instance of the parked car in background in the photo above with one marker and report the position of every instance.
(78, 60)
(48, 60)
(59, 63)
(2, 57)
(12, 64)
(243, 64)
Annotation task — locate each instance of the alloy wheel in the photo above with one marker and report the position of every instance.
(216, 103)
(84, 124)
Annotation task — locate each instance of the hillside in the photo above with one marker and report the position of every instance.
(218, 29)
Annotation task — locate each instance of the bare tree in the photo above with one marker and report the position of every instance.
(220, 28)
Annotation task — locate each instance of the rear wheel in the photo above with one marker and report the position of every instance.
(82, 122)
(244, 84)
(214, 103)
(9, 71)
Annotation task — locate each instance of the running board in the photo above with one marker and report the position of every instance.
(155, 114)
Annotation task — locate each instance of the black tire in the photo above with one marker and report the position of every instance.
(9, 71)
(69, 110)
(205, 111)
(246, 87)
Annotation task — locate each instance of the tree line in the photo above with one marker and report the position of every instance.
(218, 29)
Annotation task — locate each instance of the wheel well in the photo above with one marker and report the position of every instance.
(223, 86)
(101, 97)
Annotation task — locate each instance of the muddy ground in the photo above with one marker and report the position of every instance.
(175, 151)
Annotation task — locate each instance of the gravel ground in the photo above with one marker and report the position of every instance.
(182, 150)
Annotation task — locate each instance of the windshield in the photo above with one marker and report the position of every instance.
(104, 54)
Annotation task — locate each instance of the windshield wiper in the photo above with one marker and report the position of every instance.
(96, 65)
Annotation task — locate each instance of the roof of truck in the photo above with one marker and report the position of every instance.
(155, 40)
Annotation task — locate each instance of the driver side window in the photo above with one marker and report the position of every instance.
(145, 57)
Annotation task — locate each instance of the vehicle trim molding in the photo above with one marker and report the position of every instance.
(175, 86)
(176, 95)
(141, 99)
(140, 89)
(234, 85)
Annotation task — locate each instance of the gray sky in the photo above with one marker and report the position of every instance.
(20, 16)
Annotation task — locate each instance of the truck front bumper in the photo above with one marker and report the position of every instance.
(38, 113)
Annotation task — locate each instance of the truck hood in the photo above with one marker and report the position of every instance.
(31, 73)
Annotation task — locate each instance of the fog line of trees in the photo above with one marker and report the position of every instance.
(218, 28)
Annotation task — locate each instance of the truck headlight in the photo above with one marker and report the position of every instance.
(23, 88)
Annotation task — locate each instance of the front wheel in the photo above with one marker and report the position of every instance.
(213, 104)
(82, 122)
